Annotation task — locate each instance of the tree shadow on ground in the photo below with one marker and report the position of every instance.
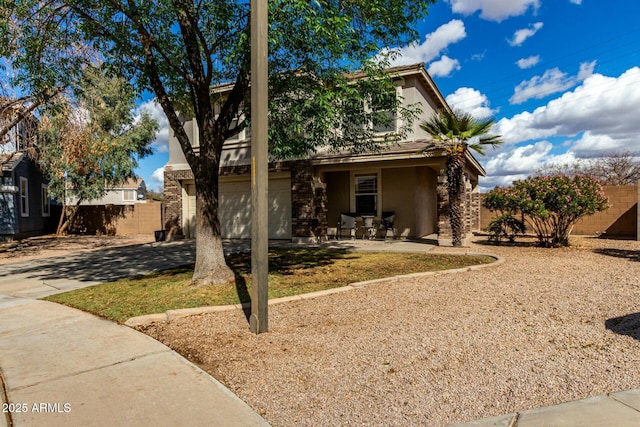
(629, 254)
(287, 261)
(104, 265)
(625, 325)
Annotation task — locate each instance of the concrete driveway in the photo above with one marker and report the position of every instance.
(47, 276)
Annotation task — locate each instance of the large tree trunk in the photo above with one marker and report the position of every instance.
(455, 189)
(211, 267)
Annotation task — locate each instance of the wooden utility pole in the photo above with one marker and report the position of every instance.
(259, 168)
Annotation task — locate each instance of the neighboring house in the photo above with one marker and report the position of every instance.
(307, 197)
(124, 210)
(25, 206)
(130, 192)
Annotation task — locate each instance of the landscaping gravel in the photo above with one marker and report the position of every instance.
(542, 328)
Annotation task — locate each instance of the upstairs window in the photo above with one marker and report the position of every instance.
(383, 108)
(366, 193)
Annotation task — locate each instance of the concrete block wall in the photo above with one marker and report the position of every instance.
(119, 220)
(620, 220)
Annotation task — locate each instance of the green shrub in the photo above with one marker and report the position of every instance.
(550, 204)
(505, 226)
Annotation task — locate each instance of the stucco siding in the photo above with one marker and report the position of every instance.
(398, 196)
(413, 92)
(338, 199)
(426, 201)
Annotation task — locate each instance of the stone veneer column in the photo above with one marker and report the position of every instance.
(444, 225)
(475, 211)
(173, 200)
(308, 203)
(470, 207)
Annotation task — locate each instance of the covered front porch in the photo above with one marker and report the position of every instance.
(411, 190)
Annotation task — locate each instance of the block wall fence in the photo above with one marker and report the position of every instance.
(621, 220)
(112, 220)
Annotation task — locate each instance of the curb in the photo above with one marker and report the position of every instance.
(171, 315)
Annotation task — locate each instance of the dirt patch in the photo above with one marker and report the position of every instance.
(52, 245)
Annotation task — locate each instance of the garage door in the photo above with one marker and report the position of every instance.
(189, 228)
(235, 208)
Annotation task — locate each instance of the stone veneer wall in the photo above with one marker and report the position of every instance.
(308, 197)
(173, 200)
(444, 226)
(470, 209)
(308, 203)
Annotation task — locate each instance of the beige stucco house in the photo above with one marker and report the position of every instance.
(130, 192)
(308, 196)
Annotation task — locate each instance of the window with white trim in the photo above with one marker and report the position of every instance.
(129, 195)
(24, 196)
(46, 201)
(366, 194)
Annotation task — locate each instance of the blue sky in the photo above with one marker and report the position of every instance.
(561, 78)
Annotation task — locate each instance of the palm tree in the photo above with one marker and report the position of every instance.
(456, 133)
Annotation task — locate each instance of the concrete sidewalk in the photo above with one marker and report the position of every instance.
(621, 409)
(64, 367)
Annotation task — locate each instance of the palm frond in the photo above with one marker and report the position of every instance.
(454, 129)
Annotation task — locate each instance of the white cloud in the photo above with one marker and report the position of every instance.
(520, 36)
(529, 62)
(157, 177)
(601, 112)
(494, 10)
(433, 45)
(596, 118)
(586, 70)
(552, 81)
(590, 145)
(575, 1)
(516, 163)
(470, 101)
(443, 67)
(161, 143)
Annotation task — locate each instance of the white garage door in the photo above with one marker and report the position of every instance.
(189, 226)
(235, 208)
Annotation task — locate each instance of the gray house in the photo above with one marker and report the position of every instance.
(25, 206)
(307, 197)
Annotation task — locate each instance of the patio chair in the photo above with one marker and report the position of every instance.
(386, 224)
(368, 228)
(347, 222)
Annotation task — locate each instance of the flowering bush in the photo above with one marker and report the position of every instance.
(550, 204)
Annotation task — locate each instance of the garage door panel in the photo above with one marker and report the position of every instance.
(235, 209)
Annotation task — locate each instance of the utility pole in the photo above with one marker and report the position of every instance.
(259, 168)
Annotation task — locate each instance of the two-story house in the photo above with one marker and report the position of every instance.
(25, 206)
(308, 196)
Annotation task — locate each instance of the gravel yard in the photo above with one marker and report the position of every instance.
(539, 329)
